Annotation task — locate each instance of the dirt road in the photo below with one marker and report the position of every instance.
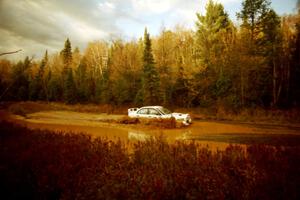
(208, 132)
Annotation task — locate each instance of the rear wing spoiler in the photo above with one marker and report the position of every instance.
(132, 111)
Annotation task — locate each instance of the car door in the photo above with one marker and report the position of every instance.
(143, 113)
(153, 113)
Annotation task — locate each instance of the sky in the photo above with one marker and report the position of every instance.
(39, 25)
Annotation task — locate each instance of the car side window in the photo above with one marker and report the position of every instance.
(143, 111)
(153, 112)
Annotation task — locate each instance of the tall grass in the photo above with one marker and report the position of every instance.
(47, 165)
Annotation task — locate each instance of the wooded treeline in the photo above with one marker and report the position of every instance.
(254, 64)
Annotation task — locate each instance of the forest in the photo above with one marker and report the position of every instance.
(220, 64)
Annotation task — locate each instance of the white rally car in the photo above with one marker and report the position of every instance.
(158, 112)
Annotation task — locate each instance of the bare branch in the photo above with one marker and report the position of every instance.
(12, 52)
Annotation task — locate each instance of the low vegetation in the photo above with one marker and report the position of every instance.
(39, 164)
(253, 63)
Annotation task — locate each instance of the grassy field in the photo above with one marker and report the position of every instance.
(38, 164)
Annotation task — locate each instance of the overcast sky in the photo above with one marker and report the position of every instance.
(37, 25)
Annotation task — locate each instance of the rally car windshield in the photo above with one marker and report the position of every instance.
(165, 110)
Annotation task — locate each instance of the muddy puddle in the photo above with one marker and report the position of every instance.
(217, 135)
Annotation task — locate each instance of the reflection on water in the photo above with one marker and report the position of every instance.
(186, 135)
(169, 135)
(220, 138)
(181, 135)
(138, 135)
(215, 134)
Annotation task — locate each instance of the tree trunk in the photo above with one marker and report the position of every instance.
(274, 102)
(242, 87)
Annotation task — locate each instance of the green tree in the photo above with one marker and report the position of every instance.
(180, 89)
(125, 69)
(150, 81)
(81, 81)
(55, 90)
(210, 28)
(295, 71)
(70, 89)
(164, 53)
(21, 78)
(261, 28)
(272, 49)
(252, 15)
(66, 55)
(67, 73)
(214, 29)
(103, 86)
(5, 79)
(37, 85)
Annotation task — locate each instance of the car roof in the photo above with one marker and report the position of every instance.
(151, 107)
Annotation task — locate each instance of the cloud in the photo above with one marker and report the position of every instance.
(152, 6)
(37, 25)
(169, 13)
(108, 6)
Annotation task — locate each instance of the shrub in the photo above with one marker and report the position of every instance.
(18, 110)
(36, 164)
(128, 120)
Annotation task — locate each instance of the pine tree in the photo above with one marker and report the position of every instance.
(260, 26)
(70, 89)
(67, 74)
(20, 75)
(210, 28)
(150, 80)
(66, 54)
(81, 81)
(213, 30)
(295, 72)
(46, 84)
(105, 87)
(252, 15)
(55, 90)
(44, 78)
(271, 44)
(180, 91)
(37, 85)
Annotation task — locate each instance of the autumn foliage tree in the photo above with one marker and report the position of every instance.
(219, 65)
(213, 30)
